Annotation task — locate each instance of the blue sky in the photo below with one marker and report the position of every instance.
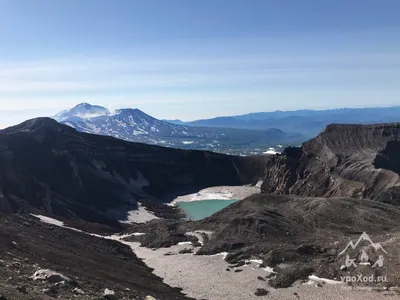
(196, 59)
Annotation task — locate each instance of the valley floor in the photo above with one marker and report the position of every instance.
(211, 277)
(206, 277)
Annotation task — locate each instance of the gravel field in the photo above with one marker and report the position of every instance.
(206, 277)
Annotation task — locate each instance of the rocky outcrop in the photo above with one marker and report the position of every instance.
(52, 168)
(267, 222)
(358, 161)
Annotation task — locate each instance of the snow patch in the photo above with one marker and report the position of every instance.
(256, 261)
(141, 215)
(90, 115)
(120, 123)
(184, 243)
(114, 237)
(269, 270)
(221, 195)
(314, 279)
(223, 254)
(55, 222)
(138, 233)
(69, 124)
(271, 152)
(259, 183)
(108, 292)
(50, 276)
(78, 291)
(135, 132)
(49, 220)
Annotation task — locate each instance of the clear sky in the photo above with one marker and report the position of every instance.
(192, 59)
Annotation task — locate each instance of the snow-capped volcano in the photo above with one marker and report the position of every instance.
(82, 111)
(137, 126)
(133, 124)
(128, 124)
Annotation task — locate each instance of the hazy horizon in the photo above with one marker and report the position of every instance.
(195, 60)
(14, 117)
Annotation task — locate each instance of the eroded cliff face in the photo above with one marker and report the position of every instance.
(358, 161)
(55, 169)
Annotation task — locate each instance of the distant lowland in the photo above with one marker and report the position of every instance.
(248, 134)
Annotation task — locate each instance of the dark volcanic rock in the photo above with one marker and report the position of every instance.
(53, 168)
(287, 277)
(301, 222)
(261, 278)
(92, 264)
(186, 251)
(239, 264)
(261, 292)
(360, 161)
(161, 233)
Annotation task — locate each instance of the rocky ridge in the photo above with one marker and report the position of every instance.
(357, 161)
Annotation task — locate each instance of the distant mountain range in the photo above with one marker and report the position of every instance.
(307, 122)
(135, 125)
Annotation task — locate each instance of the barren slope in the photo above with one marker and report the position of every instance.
(92, 264)
(344, 161)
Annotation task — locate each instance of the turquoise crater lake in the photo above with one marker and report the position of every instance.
(197, 210)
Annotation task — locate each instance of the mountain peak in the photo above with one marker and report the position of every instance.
(34, 125)
(83, 104)
(133, 112)
(274, 130)
(82, 111)
(86, 105)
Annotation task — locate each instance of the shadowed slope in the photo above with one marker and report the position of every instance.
(53, 168)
